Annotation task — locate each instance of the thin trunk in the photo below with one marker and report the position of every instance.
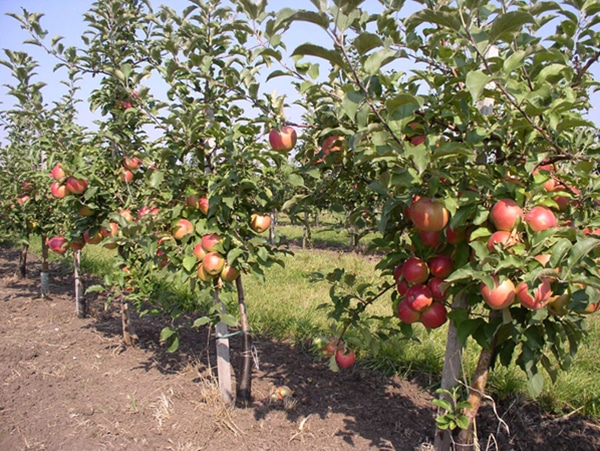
(466, 438)
(274, 218)
(305, 230)
(223, 355)
(80, 305)
(244, 389)
(44, 276)
(451, 371)
(130, 338)
(22, 272)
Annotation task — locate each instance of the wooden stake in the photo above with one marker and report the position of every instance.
(223, 355)
(244, 388)
(80, 305)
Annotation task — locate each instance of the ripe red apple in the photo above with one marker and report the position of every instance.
(415, 270)
(542, 294)
(345, 358)
(430, 239)
(93, 238)
(429, 215)
(541, 218)
(199, 251)
(402, 287)
(192, 200)
(407, 314)
(145, 211)
(502, 237)
(418, 297)
(229, 273)
(59, 190)
(182, 228)
(434, 316)
(416, 140)
(332, 144)
(58, 172)
(500, 296)
(209, 242)
(22, 200)
(132, 163)
(330, 348)
(213, 263)
(127, 176)
(58, 244)
(260, 223)
(505, 214)
(435, 284)
(75, 185)
(398, 272)
(203, 275)
(126, 214)
(455, 236)
(441, 266)
(203, 205)
(77, 243)
(283, 140)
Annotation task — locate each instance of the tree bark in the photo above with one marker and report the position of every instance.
(223, 355)
(22, 271)
(130, 338)
(44, 276)
(80, 304)
(244, 389)
(451, 372)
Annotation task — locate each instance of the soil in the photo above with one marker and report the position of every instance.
(70, 384)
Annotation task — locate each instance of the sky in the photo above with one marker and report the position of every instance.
(65, 18)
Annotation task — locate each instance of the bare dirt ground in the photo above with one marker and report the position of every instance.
(69, 384)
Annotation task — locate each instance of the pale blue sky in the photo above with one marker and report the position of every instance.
(64, 17)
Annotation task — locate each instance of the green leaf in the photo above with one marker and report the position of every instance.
(580, 250)
(376, 60)
(535, 385)
(174, 344)
(475, 82)
(156, 178)
(199, 322)
(166, 333)
(309, 16)
(366, 42)
(228, 319)
(314, 50)
(94, 289)
(513, 61)
(400, 100)
(509, 22)
(189, 261)
(351, 102)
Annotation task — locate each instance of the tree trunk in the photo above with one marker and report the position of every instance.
(244, 389)
(467, 437)
(130, 338)
(274, 218)
(44, 276)
(451, 371)
(305, 230)
(223, 355)
(22, 271)
(80, 305)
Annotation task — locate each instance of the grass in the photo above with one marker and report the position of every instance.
(286, 308)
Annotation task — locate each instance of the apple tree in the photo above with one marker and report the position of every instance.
(449, 112)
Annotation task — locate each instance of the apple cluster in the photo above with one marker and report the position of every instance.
(211, 263)
(64, 184)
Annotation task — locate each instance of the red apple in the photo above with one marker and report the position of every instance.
(330, 348)
(418, 297)
(407, 314)
(416, 140)
(500, 296)
(415, 270)
(332, 144)
(345, 358)
(22, 200)
(203, 275)
(441, 266)
(210, 242)
(199, 251)
(260, 223)
(93, 238)
(203, 205)
(505, 214)
(127, 176)
(502, 237)
(229, 273)
(58, 244)
(59, 190)
(541, 218)
(132, 163)
(182, 228)
(126, 214)
(58, 172)
(542, 294)
(75, 185)
(77, 244)
(398, 272)
(402, 287)
(283, 140)
(435, 284)
(455, 236)
(434, 316)
(429, 215)
(430, 239)
(213, 263)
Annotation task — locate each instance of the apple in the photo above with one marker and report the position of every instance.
(505, 214)
(419, 297)
(75, 185)
(330, 348)
(429, 215)
(415, 270)
(77, 243)
(213, 263)
(500, 296)
(402, 287)
(398, 272)
(203, 205)
(59, 190)
(203, 275)
(145, 211)
(434, 316)
(127, 176)
(540, 218)
(407, 314)
(260, 223)
(541, 294)
(430, 239)
(502, 237)
(58, 172)
(93, 238)
(126, 214)
(182, 228)
(416, 140)
(283, 140)
(163, 258)
(58, 244)
(543, 259)
(345, 358)
(332, 144)
(132, 163)
(441, 266)
(22, 200)
(210, 241)
(229, 273)
(455, 236)
(192, 200)
(85, 211)
(559, 305)
(435, 285)
(199, 251)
